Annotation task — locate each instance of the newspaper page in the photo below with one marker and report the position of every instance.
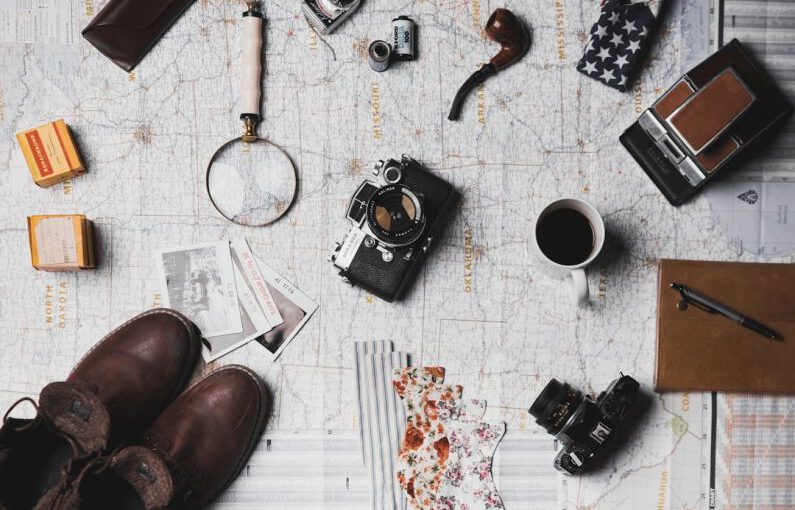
(748, 458)
(754, 204)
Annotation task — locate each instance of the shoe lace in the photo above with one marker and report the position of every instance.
(7, 416)
(94, 467)
(39, 419)
(60, 490)
(68, 484)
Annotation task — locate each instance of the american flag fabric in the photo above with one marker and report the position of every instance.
(618, 41)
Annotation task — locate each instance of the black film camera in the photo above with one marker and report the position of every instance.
(583, 425)
(395, 219)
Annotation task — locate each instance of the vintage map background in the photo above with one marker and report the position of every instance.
(534, 133)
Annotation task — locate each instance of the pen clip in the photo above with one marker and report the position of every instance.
(700, 306)
(686, 301)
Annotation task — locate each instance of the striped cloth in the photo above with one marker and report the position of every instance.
(382, 419)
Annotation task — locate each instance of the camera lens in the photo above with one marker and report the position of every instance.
(395, 215)
(555, 405)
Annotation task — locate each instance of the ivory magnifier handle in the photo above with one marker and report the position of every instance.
(251, 68)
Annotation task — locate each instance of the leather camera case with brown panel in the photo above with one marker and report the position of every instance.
(705, 121)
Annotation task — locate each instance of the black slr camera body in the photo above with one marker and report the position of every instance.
(395, 219)
(583, 425)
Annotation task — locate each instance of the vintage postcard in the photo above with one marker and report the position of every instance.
(241, 254)
(294, 306)
(199, 282)
(254, 324)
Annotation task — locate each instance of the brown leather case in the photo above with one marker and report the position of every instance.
(699, 351)
(125, 30)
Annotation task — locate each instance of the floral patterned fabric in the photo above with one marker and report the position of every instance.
(429, 407)
(424, 450)
(411, 380)
(467, 483)
(444, 461)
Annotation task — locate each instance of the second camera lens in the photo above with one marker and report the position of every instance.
(555, 405)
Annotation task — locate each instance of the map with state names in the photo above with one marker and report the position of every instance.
(481, 308)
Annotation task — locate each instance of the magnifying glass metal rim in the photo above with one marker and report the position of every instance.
(250, 96)
(252, 139)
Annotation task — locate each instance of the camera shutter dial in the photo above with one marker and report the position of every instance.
(393, 175)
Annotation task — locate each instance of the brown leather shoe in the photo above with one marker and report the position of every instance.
(192, 452)
(112, 396)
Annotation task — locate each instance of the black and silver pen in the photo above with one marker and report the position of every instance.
(713, 306)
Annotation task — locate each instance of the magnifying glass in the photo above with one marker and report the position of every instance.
(250, 180)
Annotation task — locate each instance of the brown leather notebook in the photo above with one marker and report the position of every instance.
(700, 351)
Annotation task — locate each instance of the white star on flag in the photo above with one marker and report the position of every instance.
(607, 75)
(617, 40)
(590, 67)
(604, 54)
(600, 31)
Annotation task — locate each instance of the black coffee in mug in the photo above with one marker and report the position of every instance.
(565, 236)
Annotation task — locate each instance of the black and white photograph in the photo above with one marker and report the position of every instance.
(295, 307)
(255, 324)
(199, 282)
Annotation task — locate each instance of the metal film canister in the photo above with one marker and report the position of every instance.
(379, 55)
(404, 38)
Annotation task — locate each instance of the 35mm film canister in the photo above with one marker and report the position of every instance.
(404, 38)
(379, 55)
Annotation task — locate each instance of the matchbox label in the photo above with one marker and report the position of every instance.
(39, 153)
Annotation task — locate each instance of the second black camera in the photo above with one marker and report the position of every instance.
(583, 425)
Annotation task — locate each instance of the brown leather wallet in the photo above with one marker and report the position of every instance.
(125, 30)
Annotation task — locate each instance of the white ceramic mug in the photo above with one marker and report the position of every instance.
(576, 273)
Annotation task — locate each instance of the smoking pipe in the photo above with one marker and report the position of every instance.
(505, 28)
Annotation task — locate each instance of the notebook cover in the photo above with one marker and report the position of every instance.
(699, 351)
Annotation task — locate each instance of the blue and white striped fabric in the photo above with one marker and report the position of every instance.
(382, 419)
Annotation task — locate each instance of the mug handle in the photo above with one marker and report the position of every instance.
(579, 287)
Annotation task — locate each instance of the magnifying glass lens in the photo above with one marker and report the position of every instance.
(251, 183)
